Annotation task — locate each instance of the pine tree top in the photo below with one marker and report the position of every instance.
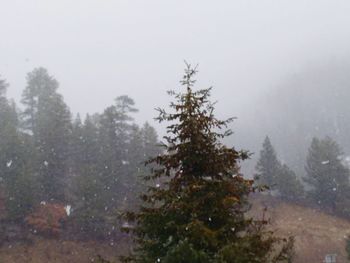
(193, 144)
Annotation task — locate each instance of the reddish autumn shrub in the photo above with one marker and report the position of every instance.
(47, 219)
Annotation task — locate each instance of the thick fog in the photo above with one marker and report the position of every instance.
(98, 50)
(66, 180)
(257, 54)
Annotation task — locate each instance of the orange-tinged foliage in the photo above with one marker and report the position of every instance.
(47, 219)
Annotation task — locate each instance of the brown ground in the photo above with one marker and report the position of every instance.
(316, 234)
(50, 250)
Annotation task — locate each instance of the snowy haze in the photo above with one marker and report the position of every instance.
(99, 50)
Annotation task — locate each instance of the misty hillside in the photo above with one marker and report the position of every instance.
(316, 233)
(310, 103)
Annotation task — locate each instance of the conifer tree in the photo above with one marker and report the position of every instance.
(143, 146)
(268, 165)
(327, 176)
(115, 134)
(16, 178)
(90, 195)
(197, 214)
(47, 119)
(278, 177)
(149, 141)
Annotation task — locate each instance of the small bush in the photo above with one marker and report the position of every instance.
(47, 219)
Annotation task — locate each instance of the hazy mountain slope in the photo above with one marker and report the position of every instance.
(312, 102)
(316, 233)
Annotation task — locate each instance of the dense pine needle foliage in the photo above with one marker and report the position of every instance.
(195, 210)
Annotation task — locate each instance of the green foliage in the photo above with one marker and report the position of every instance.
(16, 178)
(20, 199)
(279, 178)
(94, 165)
(288, 185)
(326, 175)
(47, 118)
(115, 133)
(108, 153)
(198, 214)
(268, 165)
(184, 252)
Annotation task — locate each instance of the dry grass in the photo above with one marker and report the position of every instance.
(316, 233)
(50, 250)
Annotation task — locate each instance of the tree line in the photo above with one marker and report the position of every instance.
(195, 199)
(325, 183)
(93, 164)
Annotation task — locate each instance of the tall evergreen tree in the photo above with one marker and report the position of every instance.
(278, 177)
(143, 146)
(15, 173)
(90, 196)
(326, 174)
(150, 141)
(115, 134)
(48, 120)
(268, 166)
(198, 214)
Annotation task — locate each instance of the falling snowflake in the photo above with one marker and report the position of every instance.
(68, 209)
(9, 163)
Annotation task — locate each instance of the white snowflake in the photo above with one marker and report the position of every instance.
(68, 209)
(9, 163)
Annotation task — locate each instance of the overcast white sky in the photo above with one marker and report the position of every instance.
(99, 49)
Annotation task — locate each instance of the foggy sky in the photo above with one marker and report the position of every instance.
(100, 49)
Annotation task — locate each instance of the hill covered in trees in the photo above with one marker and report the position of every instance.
(50, 161)
(75, 178)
